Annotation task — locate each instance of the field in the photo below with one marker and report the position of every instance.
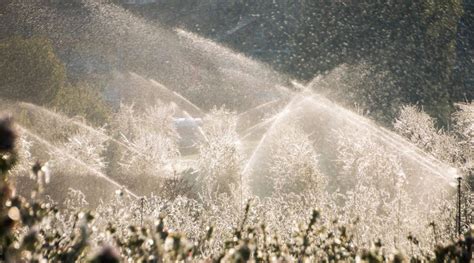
(127, 138)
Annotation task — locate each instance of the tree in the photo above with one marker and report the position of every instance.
(412, 41)
(30, 70)
(82, 100)
(220, 157)
(294, 164)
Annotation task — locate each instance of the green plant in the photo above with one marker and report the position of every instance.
(30, 70)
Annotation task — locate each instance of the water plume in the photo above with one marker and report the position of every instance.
(393, 140)
(200, 70)
(322, 120)
(259, 126)
(278, 118)
(79, 124)
(76, 161)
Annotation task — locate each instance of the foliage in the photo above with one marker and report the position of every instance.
(380, 195)
(281, 228)
(220, 156)
(34, 73)
(453, 147)
(82, 100)
(30, 70)
(294, 164)
(194, 210)
(464, 129)
(416, 45)
(85, 146)
(414, 49)
(364, 87)
(150, 139)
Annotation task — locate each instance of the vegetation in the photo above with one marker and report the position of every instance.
(314, 182)
(419, 46)
(211, 219)
(419, 49)
(30, 70)
(415, 52)
(36, 230)
(82, 100)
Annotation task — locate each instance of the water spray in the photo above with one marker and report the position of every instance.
(77, 161)
(276, 120)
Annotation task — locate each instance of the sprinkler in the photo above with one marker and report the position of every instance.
(458, 217)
